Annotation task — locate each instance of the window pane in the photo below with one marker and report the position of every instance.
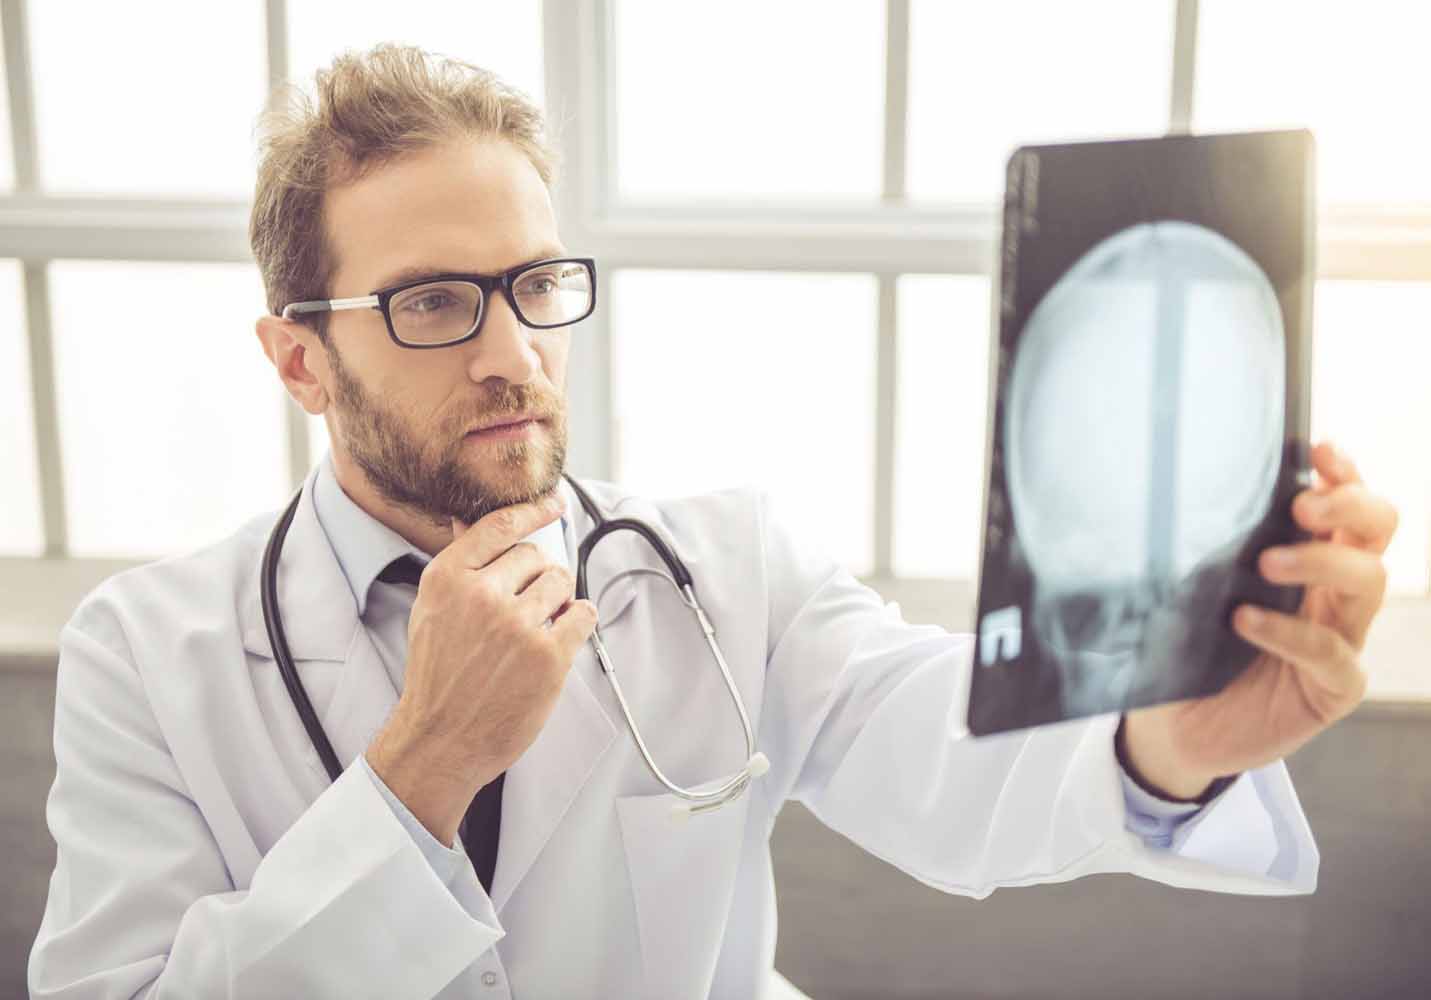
(156, 98)
(939, 424)
(1356, 74)
(747, 99)
(982, 83)
(171, 419)
(1373, 350)
(725, 379)
(7, 159)
(21, 528)
(504, 36)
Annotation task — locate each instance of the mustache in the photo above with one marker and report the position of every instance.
(510, 407)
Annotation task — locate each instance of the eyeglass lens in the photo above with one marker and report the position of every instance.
(442, 311)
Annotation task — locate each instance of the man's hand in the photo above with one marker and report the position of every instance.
(1310, 673)
(483, 671)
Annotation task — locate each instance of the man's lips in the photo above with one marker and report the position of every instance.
(513, 429)
(506, 422)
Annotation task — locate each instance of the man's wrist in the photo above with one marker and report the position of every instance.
(436, 803)
(1150, 767)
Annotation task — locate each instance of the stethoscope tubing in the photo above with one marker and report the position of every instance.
(728, 789)
(273, 623)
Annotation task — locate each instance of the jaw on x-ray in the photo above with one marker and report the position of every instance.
(1148, 428)
(1143, 439)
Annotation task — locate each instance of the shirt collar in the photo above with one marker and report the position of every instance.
(364, 546)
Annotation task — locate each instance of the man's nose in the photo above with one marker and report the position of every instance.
(503, 348)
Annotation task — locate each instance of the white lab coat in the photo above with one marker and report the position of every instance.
(203, 852)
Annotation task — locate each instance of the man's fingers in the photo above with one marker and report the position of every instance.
(1349, 507)
(498, 531)
(1334, 466)
(573, 624)
(1356, 576)
(1318, 649)
(1352, 572)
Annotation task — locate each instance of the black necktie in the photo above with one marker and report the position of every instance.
(482, 823)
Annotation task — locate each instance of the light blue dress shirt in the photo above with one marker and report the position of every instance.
(364, 546)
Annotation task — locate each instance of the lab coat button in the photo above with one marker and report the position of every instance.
(489, 979)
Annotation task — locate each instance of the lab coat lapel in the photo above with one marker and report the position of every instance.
(542, 783)
(318, 610)
(321, 623)
(320, 619)
(679, 940)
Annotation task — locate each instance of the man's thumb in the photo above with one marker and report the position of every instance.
(459, 528)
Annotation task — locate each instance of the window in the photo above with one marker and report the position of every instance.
(504, 36)
(120, 108)
(1373, 350)
(21, 531)
(761, 184)
(728, 378)
(170, 422)
(708, 107)
(1357, 74)
(944, 334)
(981, 83)
(7, 158)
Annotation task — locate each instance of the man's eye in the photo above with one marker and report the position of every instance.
(547, 285)
(427, 303)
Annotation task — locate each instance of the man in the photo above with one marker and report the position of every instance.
(493, 829)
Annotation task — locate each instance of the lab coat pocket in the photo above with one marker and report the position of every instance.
(682, 876)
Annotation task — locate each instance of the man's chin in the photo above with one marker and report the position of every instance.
(504, 486)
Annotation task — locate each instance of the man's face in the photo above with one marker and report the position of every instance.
(402, 415)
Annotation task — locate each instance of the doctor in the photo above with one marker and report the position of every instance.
(494, 829)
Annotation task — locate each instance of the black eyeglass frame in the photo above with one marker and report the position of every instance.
(488, 284)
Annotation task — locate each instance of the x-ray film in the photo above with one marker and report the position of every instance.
(1148, 422)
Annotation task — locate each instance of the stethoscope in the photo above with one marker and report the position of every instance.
(725, 791)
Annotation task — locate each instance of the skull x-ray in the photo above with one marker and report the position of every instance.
(1148, 425)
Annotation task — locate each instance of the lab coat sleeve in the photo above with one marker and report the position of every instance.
(864, 722)
(141, 902)
(444, 859)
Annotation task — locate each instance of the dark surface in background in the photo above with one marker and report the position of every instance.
(851, 926)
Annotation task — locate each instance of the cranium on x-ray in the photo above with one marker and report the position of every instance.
(1143, 436)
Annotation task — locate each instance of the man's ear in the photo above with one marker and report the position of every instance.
(298, 356)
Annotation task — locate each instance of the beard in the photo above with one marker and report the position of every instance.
(426, 472)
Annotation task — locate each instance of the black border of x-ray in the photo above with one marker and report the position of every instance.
(1257, 189)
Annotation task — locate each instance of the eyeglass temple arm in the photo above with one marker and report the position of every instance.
(329, 305)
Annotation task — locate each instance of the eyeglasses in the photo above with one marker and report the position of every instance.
(442, 310)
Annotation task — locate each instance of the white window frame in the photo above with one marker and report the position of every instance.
(886, 238)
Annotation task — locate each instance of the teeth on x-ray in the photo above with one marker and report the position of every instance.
(1143, 416)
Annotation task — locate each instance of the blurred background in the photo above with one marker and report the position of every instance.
(810, 185)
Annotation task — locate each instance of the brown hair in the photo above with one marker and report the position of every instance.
(372, 107)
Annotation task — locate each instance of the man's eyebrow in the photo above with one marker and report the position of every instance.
(415, 271)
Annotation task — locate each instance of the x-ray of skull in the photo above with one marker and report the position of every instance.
(1149, 424)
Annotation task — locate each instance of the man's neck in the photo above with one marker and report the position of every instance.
(417, 530)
